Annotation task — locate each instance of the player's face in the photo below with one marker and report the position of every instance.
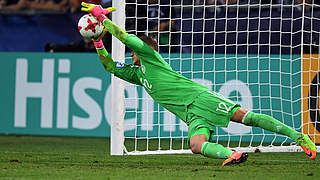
(135, 59)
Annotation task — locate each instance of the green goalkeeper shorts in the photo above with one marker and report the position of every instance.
(208, 110)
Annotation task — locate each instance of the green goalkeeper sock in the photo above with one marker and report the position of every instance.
(213, 150)
(269, 123)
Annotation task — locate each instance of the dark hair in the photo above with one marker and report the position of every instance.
(150, 41)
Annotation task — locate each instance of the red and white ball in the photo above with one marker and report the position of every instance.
(89, 26)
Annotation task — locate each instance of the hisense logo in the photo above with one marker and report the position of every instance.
(45, 91)
(61, 97)
(54, 91)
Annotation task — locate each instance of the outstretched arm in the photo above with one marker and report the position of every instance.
(121, 70)
(104, 56)
(133, 42)
(115, 30)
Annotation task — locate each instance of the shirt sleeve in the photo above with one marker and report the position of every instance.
(130, 40)
(140, 48)
(127, 72)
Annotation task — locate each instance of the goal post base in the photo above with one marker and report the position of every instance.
(292, 148)
(187, 151)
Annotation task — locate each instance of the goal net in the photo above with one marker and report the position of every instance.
(261, 55)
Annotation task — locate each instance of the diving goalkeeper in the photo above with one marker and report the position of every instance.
(199, 107)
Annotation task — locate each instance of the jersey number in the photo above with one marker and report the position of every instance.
(223, 108)
(146, 84)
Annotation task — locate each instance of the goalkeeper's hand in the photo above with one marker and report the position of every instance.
(99, 13)
(97, 10)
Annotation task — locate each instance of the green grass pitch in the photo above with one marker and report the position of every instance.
(35, 157)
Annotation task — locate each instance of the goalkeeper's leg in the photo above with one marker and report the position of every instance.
(200, 145)
(269, 123)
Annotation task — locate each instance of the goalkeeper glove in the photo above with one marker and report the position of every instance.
(97, 10)
(100, 14)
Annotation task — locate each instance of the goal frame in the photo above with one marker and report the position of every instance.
(118, 103)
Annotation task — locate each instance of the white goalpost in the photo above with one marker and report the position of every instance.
(263, 56)
(117, 85)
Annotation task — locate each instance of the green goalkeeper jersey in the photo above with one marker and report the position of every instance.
(167, 87)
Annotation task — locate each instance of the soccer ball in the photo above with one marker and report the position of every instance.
(89, 27)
